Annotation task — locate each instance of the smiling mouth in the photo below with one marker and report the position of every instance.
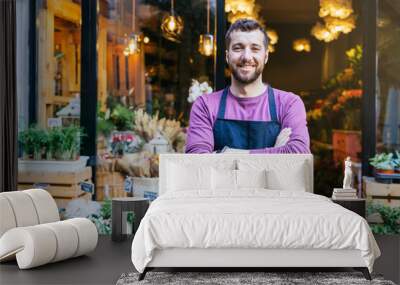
(246, 67)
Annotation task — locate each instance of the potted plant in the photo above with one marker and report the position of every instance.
(25, 140)
(56, 138)
(60, 144)
(71, 143)
(383, 163)
(122, 117)
(34, 141)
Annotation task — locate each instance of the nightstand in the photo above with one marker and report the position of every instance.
(136, 205)
(355, 205)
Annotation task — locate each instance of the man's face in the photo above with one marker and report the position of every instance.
(246, 55)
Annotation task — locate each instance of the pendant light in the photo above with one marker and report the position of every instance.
(206, 42)
(172, 25)
(134, 39)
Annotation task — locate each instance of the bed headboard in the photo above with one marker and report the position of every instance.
(232, 161)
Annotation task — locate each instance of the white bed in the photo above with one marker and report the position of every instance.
(215, 211)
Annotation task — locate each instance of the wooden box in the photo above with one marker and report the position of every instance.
(60, 184)
(387, 194)
(63, 202)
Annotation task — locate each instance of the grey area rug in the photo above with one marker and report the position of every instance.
(228, 278)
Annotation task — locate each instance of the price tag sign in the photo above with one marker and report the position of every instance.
(150, 195)
(128, 184)
(39, 185)
(87, 187)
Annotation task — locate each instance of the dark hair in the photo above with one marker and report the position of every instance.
(245, 25)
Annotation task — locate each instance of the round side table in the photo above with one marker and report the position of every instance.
(136, 205)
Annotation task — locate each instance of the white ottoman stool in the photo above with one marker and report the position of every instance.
(31, 232)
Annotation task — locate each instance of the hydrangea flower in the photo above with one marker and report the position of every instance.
(197, 89)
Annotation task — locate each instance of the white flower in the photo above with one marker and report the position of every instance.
(82, 208)
(197, 89)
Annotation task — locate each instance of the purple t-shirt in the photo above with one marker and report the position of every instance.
(290, 111)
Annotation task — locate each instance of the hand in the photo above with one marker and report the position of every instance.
(283, 137)
(234, 150)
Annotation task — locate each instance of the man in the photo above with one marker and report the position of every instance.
(249, 116)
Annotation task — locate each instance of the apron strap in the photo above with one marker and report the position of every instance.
(222, 104)
(271, 103)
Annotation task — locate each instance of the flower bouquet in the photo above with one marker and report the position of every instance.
(198, 89)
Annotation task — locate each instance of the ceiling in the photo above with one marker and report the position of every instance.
(289, 11)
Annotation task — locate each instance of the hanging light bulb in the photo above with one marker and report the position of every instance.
(126, 51)
(134, 44)
(206, 44)
(172, 25)
(302, 45)
(206, 41)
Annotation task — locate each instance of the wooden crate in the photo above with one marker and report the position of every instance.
(386, 194)
(115, 182)
(58, 191)
(61, 184)
(63, 202)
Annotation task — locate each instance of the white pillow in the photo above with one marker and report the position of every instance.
(224, 179)
(251, 178)
(182, 177)
(292, 178)
(282, 174)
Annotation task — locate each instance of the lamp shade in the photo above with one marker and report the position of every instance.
(206, 44)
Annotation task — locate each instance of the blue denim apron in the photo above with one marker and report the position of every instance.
(245, 134)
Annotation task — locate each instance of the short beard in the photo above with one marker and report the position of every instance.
(246, 80)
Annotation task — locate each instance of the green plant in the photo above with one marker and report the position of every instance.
(104, 125)
(122, 118)
(56, 140)
(34, 140)
(25, 139)
(382, 161)
(103, 221)
(390, 217)
(72, 141)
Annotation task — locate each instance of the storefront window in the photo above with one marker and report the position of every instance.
(149, 55)
(49, 150)
(59, 62)
(388, 80)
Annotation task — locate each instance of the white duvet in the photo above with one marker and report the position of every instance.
(252, 218)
